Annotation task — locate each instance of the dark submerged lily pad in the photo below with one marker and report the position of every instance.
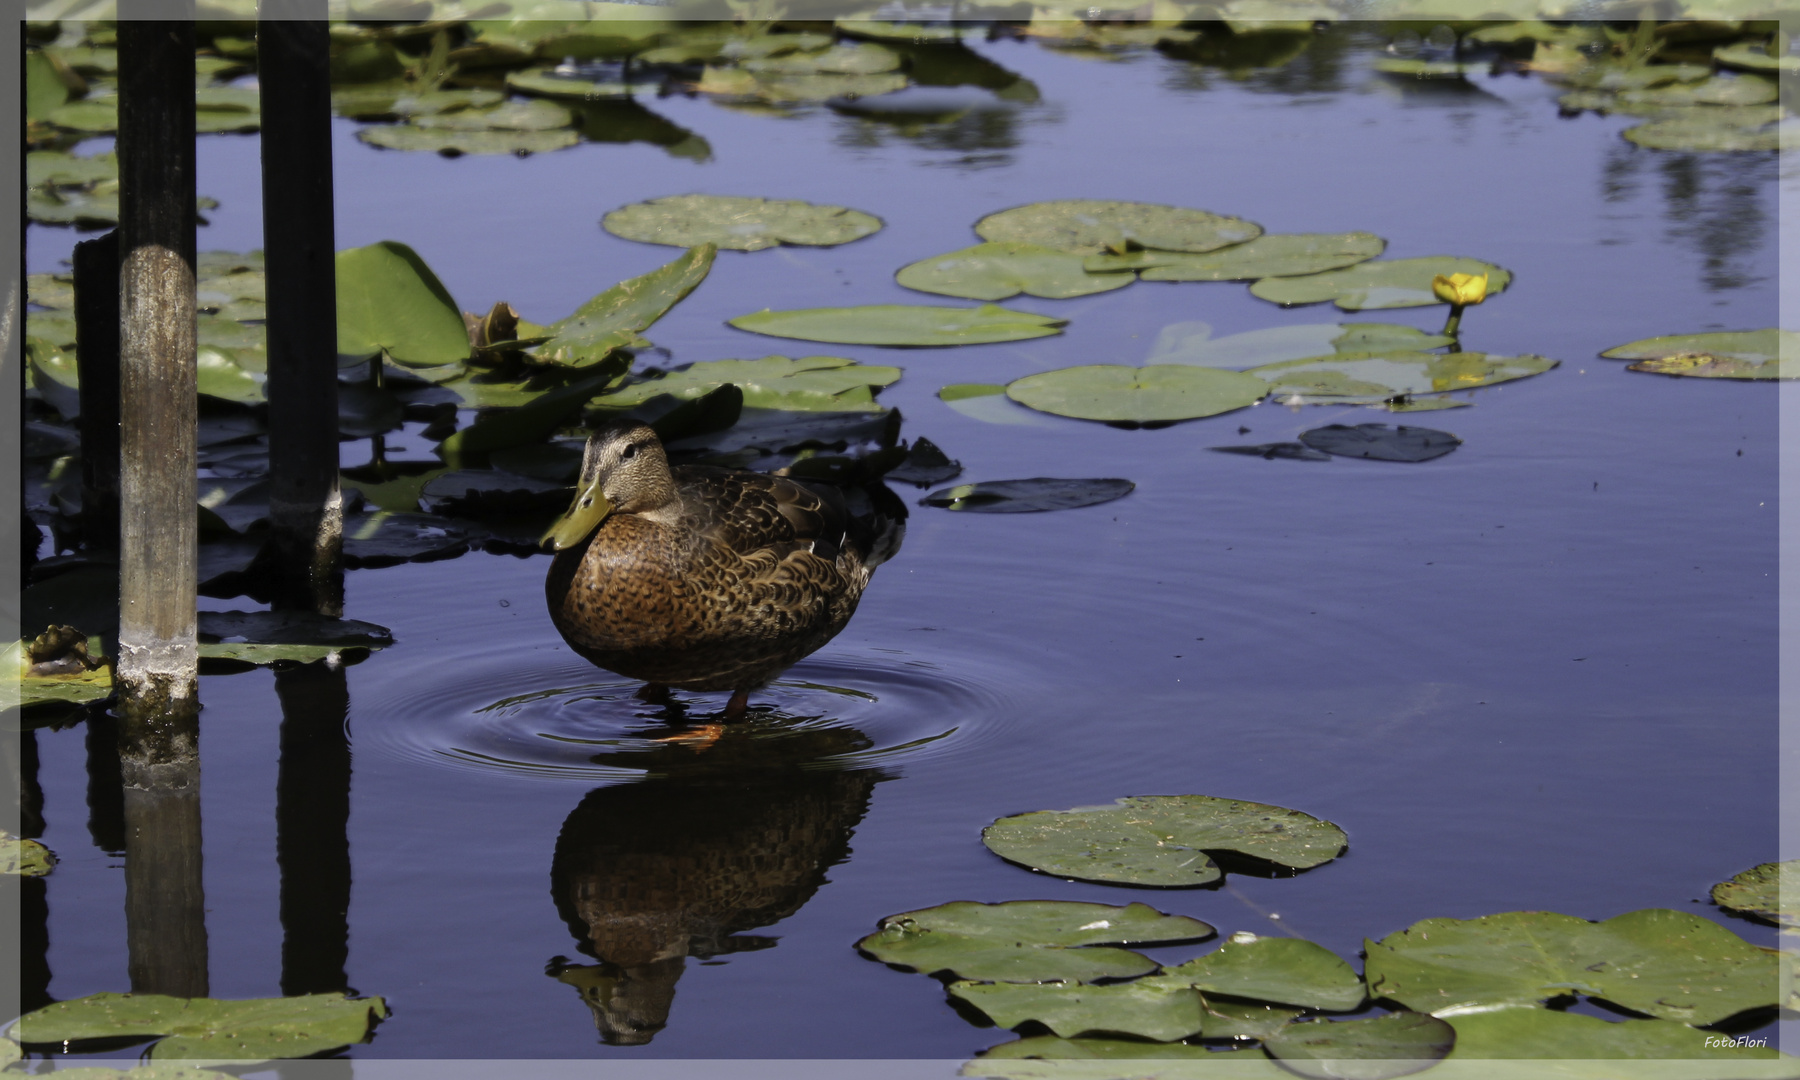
(925, 465)
(384, 538)
(291, 628)
(1161, 840)
(1028, 496)
(1379, 442)
(1291, 451)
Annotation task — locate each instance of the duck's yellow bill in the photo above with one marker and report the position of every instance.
(581, 519)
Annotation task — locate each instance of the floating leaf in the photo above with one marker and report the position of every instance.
(1284, 970)
(291, 628)
(999, 271)
(95, 116)
(25, 858)
(1668, 964)
(691, 43)
(1704, 135)
(544, 82)
(385, 538)
(882, 30)
(1379, 442)
(1725, 88)
(1269, 255)
(207, 1028)
(811, 383)
(1427, 69)
(480, 141)
(1734, 354)
(1291, 451)
(737, 222)
(1161, 840)
(489, 493)
(62, 170)
(1378, 376)
(1754, 57)
(1523, 1032)
(902, 324)
(779, 89)
(848, 58)
(399, 100)
(1761, 890)
(1225, 1019)
(389, 301)
(1028, 496)
(1398, 1044)
(925, 465)
(1097, 226)
(260, 653)
(1394, 283)
(1161, 1012)
(1118, 394)
(988, 403)
(615, 318)
(511, 116)
(221, 376)
(1028, 940)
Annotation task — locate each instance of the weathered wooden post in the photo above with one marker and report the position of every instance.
(97, 360)
(157, 674)
(305, 507)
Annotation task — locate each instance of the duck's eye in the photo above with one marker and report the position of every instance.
(630, 452)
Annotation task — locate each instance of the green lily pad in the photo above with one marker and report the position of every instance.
(1269, 255)
(883, 30)
(95, 116)
(1732, 354)
(1225, 1019)
(988, 403)
(1377, 376)
(811, 383)
(1752, 56)
(615, 318)
(1522, 1032)
(48, 84)
(1028, 940)
(780, 89)
(1046, 1057)
(26, 858)
(1614, 77)
(1427, 69)
(1379, 442)
(1193, 343)
(1098, 226)
(544, 82)
(1161, 840)
(848, 58)
(452, 141)
(1288, 971)
(1666, 964)
(1393, 283)
(259, 653)
(96, 206)
(1118, 394)
(999, 271)
(1701, 135)
(902, 324)
(389, 301)
(1398, 1044)
(221, 376)
(1723, 89)
(291, 628)
(207, 1028)
(511, 116)
(399, 100)
(1028, 496)
(63, 170)
(1164, 1013)
(737, 222)
(388, 538)
(1760, 891)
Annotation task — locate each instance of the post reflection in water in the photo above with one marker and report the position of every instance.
(721, 837)
(165, 904)
(312, 822)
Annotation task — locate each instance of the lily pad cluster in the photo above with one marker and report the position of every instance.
(208, 1029)
(1731, 354)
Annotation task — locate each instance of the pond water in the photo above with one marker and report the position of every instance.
(1538, 673)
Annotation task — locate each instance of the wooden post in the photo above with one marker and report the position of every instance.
(157, 673)
(305, 507)
(312, 828)
(97, 360)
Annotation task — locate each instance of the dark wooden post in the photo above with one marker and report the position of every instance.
(97, 359)
(305, 508)
(157, 674)
(312, 829)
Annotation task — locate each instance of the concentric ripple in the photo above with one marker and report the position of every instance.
(517, 711)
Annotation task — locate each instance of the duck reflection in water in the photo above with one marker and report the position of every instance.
(704, 578)
(718, 839)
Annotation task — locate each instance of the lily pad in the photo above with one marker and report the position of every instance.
(847, 58)
(1754, 57)
(902, 324)
(915, 32)
(1699, 135)
(1398, 1044)
(1771, 891)
(291, 628)
(811, 383)
(399, 100)
(740, 43)
(998, 271)
(1028, 496)
(1291, 451)
(1666, 964)
(617, 316)
(490, 493)
(1119, 394)
(1269, 255)
(1028, 940)
(544, 82)
(925, 465)
(1394, 283)
(1726, 88)
(1098, 226)
(220, 376)
(780, 89)
(737, 222)
(1047, 1057)
(25, 858)
(480, 141)
(511, 116)
(988, 403)
(1288, 971)
(385, 538)
(1160, 1012)
(1379, 442)
(389, 301)
(1161, 840)
(207, 1028)
(1522, 1032)
(62, 170)
(1373, 377)
(1733, 354)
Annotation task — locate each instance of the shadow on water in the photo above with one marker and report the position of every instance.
(733, 830)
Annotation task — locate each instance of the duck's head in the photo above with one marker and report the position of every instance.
(623, 471)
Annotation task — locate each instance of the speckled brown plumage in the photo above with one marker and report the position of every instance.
(703, 578)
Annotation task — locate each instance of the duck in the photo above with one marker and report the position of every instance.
(703, 578)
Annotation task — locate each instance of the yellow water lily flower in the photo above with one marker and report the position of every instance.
(1460, 289)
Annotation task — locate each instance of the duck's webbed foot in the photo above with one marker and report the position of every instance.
(699, 737)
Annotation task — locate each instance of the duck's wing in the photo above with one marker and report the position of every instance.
(759, 516)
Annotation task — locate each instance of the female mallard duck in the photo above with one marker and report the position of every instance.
(701, 578)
